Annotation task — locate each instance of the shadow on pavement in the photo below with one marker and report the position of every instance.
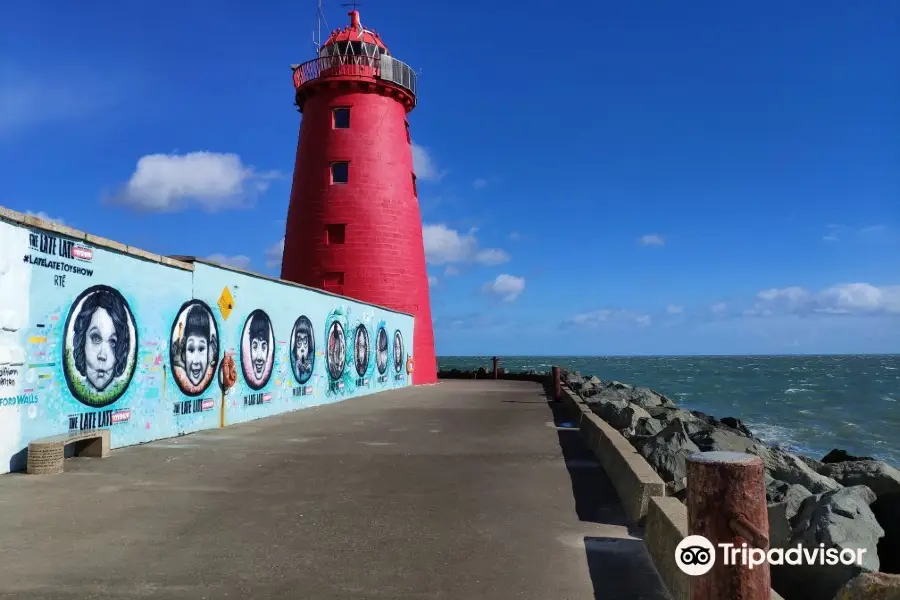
(596, 500)
(622, 569)
(619, 567)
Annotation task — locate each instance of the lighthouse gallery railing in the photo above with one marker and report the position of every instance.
(383, 67)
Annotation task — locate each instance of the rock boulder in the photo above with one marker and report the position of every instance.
(887, 510)
(837, 456)
(784, 500)
(667, 451)
(840, 520)
(880, 477)
(620, 414)
(738, 425)
(871, 586)
(647, 398)
(726, 440)
(787, 467)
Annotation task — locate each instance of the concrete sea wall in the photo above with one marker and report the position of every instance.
(96, 334)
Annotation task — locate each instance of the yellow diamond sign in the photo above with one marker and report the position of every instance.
(226, 302)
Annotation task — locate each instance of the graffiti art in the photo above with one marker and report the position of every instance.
(398, 351)
(337, 348)
(361, 346)
(381, 350)
(194, 347)
(100, 346)
(303, 349)
(257, 349)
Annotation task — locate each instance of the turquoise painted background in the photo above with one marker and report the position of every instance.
(93, 338)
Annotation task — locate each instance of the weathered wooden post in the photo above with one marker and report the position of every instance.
(557, 385)
(496, 371)
(726, 501)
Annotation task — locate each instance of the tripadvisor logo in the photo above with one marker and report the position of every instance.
(696, 555)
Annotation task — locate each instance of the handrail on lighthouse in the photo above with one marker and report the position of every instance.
(383, 67)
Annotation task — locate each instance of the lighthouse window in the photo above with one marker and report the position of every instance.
(340, 172)
(415, 189)
(408, 139)
(341, 118)
(333, 282)
(335, 234)
(356, 47)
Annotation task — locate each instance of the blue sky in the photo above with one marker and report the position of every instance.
(624, 178)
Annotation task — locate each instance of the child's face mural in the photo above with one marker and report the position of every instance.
(196, 353)
(194, 347)
(100, 348)
(259, 352)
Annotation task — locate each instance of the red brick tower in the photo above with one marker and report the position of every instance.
(354, 226)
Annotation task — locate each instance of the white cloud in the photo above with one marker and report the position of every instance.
(515, 236)
(842, 299)
(274, 254)
(451, 271)
(432, 280)
(651, 239)
(240, 261)
(444, 246)
(674, 310)
(480, 183)
(835, 233)
(424, 166)
(213, 181)
(491, 256)
(507, 287)
(873, 230)
(719, 308)
(44, 216)
(608, 316)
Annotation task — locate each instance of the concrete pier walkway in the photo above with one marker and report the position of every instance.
(465, 490)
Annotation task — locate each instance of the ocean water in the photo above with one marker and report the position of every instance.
(805, 404)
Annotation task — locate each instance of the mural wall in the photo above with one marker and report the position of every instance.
(292, 348)
(93, 338)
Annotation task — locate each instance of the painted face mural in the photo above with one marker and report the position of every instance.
(381, 352)
(336, 350)
(361, 344)
(398, 351)
(303, 350)
(257, 349)
(100, 348)
(194, 347)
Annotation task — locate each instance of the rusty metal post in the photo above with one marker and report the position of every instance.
(496, 372)
(557, 385)
(726, 500)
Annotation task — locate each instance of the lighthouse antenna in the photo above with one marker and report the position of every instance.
(317, 34)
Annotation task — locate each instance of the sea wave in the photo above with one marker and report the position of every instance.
(795, 391)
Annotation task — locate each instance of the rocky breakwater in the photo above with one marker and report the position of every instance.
(841, 501)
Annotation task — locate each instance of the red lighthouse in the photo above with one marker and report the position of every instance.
(354, 226)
